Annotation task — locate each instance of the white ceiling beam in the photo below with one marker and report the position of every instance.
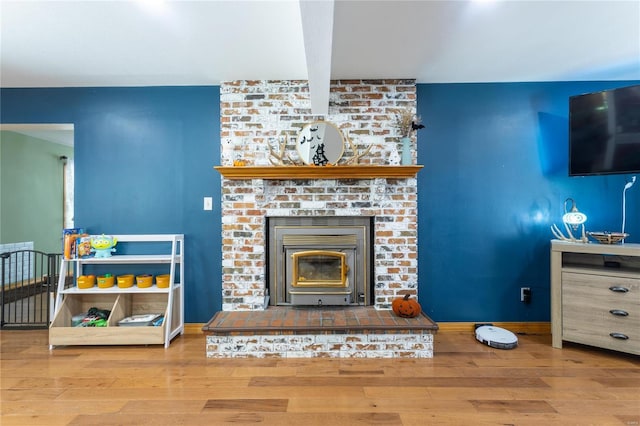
(317, 30)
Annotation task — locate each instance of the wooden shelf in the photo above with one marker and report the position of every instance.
(123, 302)
(311, 172)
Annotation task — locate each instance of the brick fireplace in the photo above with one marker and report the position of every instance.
(259, 114)
(260, 117)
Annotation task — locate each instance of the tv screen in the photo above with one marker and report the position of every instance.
(604, 132)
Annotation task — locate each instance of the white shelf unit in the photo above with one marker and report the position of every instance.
(593, 303)
(123, 302)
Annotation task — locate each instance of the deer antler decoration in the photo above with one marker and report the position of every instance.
(277, 159)
(559, 235)
(356, 155)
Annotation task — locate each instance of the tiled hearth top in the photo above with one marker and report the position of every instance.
(302, 320)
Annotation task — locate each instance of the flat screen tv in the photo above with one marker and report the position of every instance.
(604, 132)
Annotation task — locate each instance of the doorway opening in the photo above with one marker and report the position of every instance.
(37, 198)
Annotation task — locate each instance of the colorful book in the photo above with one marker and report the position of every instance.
(69, 237)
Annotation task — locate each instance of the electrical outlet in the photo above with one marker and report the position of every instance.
(525, 294)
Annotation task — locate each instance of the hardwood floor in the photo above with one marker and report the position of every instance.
(465, 383)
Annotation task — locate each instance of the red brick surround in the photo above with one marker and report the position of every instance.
(256, 114)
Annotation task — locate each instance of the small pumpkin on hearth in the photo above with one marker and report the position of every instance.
(406, 307)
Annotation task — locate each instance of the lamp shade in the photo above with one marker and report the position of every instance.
(572, 216)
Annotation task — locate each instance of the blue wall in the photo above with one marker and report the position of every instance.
(144, 161)
(495, 179)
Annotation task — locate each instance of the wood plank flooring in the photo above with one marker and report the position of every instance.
(465, 383)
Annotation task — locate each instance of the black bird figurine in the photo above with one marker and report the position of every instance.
(416, 126)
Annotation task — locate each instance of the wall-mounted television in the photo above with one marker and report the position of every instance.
(604, 132)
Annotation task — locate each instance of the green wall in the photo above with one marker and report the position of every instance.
(31, 191)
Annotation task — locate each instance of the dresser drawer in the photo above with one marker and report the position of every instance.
(603, 285)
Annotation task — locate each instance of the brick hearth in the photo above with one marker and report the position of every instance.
(339, 332)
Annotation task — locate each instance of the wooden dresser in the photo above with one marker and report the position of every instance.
(595, 295)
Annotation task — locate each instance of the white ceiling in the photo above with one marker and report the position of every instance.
(61, 134)
(126, 43)
(61, 137)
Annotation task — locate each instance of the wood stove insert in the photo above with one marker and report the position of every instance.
(319, 261)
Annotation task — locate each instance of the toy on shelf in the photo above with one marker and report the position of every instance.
(69, 238)
(103, 245)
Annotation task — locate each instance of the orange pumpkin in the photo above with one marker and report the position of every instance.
(405, 307)
(396, 302)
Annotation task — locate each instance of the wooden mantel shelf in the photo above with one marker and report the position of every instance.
(312, 172)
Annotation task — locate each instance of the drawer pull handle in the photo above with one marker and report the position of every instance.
(619, 312)
(619, 336)
(618, 289)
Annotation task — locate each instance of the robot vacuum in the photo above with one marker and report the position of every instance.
(496, 337)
